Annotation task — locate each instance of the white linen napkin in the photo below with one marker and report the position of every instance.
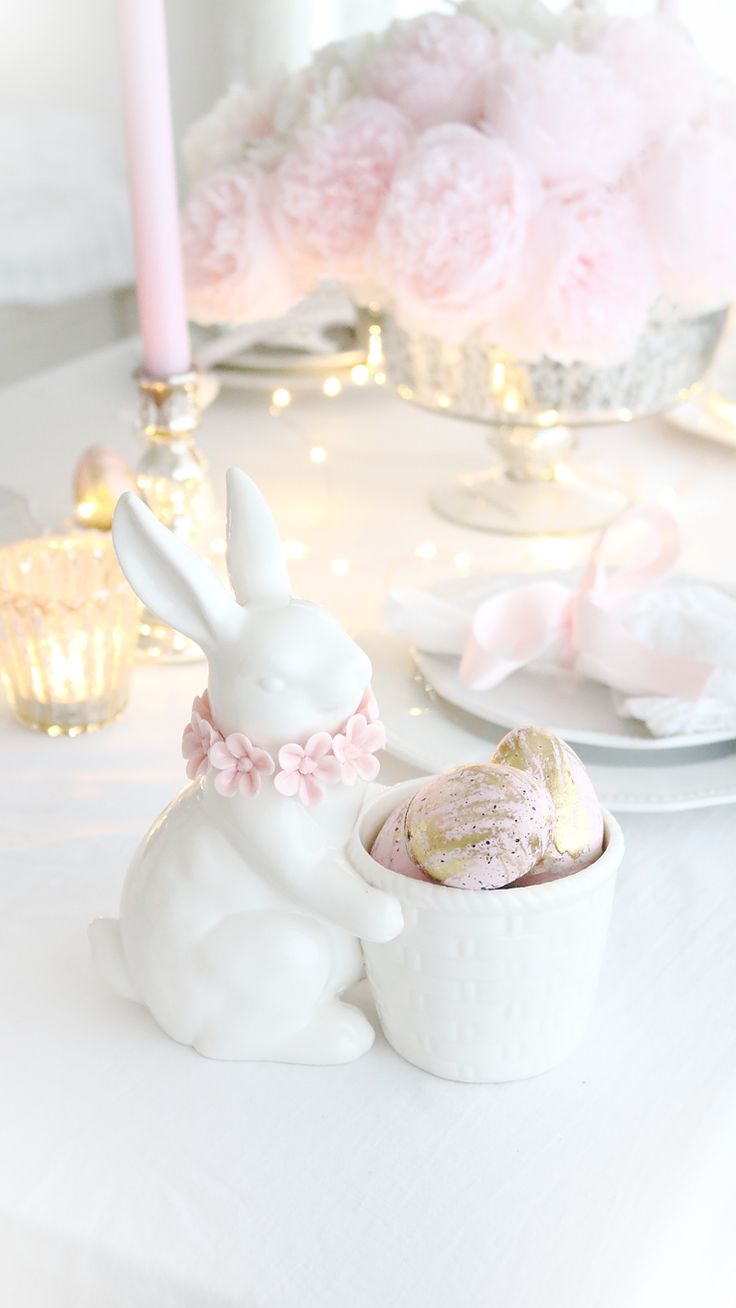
(698, 621)
(679, 616)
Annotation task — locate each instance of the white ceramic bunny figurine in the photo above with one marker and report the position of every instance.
(240, 915)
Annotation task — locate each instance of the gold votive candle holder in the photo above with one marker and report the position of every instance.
(68, 632)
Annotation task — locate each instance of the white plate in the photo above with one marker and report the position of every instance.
(712, 412)
(583, 714)
(711, 415)
(431, 735)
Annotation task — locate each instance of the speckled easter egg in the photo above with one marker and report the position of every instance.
(479, 827)
(390, 849)
(577, 839)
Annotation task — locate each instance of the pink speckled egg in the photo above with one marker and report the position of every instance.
(577, 838)
(390, 849)
(479, 827)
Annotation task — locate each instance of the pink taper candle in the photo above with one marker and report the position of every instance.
(152, 179)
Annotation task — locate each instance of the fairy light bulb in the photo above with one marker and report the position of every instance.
(374, 358)
(293, 549)
(498, 376)
(331, 387)
(281, 398)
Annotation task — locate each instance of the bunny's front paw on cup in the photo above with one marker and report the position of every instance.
(383, 919)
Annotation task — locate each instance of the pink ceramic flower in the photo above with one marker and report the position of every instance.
(368, 706)
(688, 194)
(328, 191)
(240, 765)
(592, 298)
(199, 737)
(233, 266)
(433, 68)
(355, 749)
(658, 61)
(450, 240)
(238, 127)
(306, 771)
(565, 115)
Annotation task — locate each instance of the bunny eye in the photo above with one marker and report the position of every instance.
(272, 684)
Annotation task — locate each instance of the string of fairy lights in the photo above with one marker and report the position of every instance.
(284, 406)
(543, 551)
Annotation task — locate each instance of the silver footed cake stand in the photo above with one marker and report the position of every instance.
(533, 411)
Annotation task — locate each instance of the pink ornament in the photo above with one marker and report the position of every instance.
(355, 749)
(450, 240)
(240, 765)
(565, 115)
(199, 736)
(433, 68)
(305, 771)
(233, 266)
(329, 190)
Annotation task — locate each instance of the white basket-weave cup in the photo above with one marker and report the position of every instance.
(487, 985)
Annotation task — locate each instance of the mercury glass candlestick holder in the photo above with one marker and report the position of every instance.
(68, 632)
(533, 412)
(172, 478)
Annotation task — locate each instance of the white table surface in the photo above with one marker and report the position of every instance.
(134, 1174)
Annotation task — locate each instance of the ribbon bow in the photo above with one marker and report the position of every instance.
(580, 625)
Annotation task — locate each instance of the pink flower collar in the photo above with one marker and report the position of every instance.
(305, 770)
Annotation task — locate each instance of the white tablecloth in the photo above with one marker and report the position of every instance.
(134, 1174)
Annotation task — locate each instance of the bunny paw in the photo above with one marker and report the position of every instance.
(337, 1033)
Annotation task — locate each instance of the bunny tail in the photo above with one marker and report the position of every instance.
(108, 957)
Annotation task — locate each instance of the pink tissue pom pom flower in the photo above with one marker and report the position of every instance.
(657, 60)
(565, 115)
(313, 95)
(527, 24)
(306, 771)
(433, 68)
(238, 127)
(329, 190)
(199, 737)
(240, 765)
(688, 194)
(594, 277)
(234, 269)
(450, 240)
(355, 749)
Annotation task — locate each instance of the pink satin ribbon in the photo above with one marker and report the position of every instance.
(511, 629)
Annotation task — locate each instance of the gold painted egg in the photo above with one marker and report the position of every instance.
(479, 827)
(577, 838)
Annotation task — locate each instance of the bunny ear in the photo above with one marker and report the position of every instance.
(255, 559)
(171, 580)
